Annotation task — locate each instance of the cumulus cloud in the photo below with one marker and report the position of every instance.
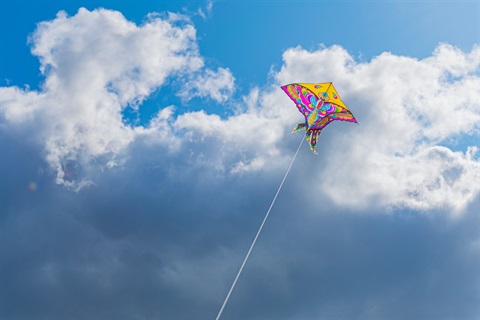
(219, 85)
(96, 64)
(175, 211)
(410, 111)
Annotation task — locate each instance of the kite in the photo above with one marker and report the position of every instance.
(320, 104)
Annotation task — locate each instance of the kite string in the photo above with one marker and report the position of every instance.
(258, 233)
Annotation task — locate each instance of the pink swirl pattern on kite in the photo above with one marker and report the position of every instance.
(305, 100)
(309, 100)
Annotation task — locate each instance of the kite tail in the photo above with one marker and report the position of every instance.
(311, 135)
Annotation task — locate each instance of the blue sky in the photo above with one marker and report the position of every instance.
(142, 142)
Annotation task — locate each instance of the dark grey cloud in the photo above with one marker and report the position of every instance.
(163, 237)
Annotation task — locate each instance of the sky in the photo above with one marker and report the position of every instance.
(142, 143)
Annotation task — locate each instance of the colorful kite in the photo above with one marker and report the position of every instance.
(320, 104)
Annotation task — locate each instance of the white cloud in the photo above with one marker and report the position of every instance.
(432, 177)
(219, 85)
(96, 64)
(206, 12)
(405, 108)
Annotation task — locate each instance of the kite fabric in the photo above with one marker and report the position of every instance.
(320, 104)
